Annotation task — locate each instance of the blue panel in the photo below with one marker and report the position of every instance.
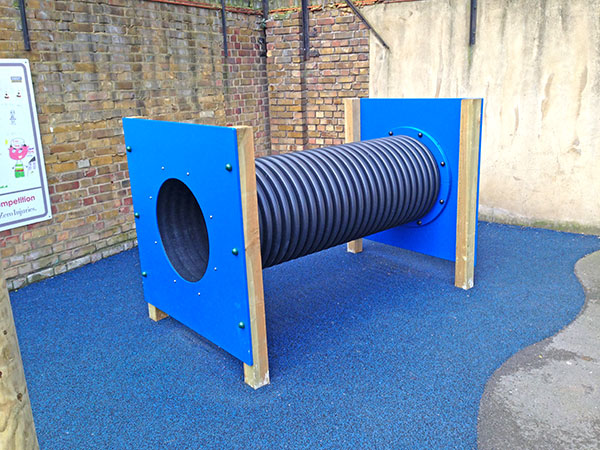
(197, 156)
(439, 120)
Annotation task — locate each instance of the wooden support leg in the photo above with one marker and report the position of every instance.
(17, 430)
(468, 174)
(155, 313)
(354, 246)
(256, 375)
(352, 134)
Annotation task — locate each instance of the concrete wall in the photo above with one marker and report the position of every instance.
(537, 64)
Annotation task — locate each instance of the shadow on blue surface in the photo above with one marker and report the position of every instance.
(376, 350)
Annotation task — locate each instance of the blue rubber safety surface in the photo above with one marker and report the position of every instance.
(375, 350)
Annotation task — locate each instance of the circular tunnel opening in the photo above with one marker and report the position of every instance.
(182, 229)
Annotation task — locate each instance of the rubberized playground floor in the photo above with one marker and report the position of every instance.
(375, 350)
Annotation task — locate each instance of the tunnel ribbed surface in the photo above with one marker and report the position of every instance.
(315, 199)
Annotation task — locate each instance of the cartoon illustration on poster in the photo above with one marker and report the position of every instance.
(22, 153)
(24, 195)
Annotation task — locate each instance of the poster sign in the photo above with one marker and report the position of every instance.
(24, 195)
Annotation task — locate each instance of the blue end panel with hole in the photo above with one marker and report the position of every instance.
(438, 121)
(196, 155)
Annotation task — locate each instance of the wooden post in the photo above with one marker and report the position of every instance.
(155, 313)
(468, 173)
(256, 375)
(352, 134)
(17, 430)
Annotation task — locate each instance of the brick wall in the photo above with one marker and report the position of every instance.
(305, 96)
(94, 62)
(246, 82)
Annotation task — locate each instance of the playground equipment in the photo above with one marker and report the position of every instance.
(210, 217)
(17, 430)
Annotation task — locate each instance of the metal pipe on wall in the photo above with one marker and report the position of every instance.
(305, 36)
(24, 26)
(473, 23)
(366, 22)
(224, 29)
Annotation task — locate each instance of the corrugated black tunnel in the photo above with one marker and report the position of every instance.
(315, 199)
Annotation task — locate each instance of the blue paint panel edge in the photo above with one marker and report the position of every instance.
(218, 302)
(440, 120)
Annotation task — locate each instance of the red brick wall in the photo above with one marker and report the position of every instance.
(94, 62)
(305, 97)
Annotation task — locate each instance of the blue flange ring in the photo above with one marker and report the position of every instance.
(444, 169)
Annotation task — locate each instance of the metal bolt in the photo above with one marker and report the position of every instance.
(128, 148)
(228, 167)
(391, 133)
(215, 268)
(156, 242)
(242, 325)
(442, 164)
(420, 134)
(198, 294)
(150, 197)
(144, 274)
(234, 251)
(419, 223)
(210, 217)
(441, 201)
(174, 281)
(162, 168)
(136, 215)
(188, 174)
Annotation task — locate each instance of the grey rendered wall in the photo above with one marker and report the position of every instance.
(537, 64)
